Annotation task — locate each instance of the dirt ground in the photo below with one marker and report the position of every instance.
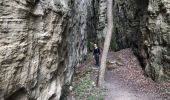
(124, 79)
(127, 80)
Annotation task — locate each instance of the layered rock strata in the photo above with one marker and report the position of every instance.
(41, 42)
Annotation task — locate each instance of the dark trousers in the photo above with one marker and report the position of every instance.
(97, 60)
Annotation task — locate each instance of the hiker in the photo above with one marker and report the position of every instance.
(96, 54)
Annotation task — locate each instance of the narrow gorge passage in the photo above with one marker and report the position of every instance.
(124, 80)
(43, 42)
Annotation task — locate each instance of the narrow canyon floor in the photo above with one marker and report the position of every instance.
(127, 80)
(124, 80)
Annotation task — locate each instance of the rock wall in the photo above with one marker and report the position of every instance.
(41, 42)
(145, 26)
(156, 40)
(92, 23)
(102, 22)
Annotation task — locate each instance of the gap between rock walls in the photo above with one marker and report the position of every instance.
(42, 42)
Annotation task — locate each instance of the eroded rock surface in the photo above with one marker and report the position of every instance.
(144, 26)
(102, 21)
(157, 40)
(41, 41)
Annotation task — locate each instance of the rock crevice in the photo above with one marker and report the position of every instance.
(42, 41)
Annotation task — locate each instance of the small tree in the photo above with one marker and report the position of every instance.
(107, 41)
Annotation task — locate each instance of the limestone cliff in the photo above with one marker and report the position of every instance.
(102, 21)
(41, 42)
(144, 26)
(156, 40)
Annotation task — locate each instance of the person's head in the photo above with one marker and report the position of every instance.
(95, 45)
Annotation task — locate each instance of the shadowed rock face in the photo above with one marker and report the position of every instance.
(145, 26)
(156, 41)
(41, 41)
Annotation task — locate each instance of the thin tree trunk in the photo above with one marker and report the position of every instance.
(107, 42)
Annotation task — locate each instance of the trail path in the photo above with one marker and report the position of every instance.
(127, 81)
(119, 90)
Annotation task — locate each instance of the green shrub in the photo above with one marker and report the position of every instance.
(86, 91)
